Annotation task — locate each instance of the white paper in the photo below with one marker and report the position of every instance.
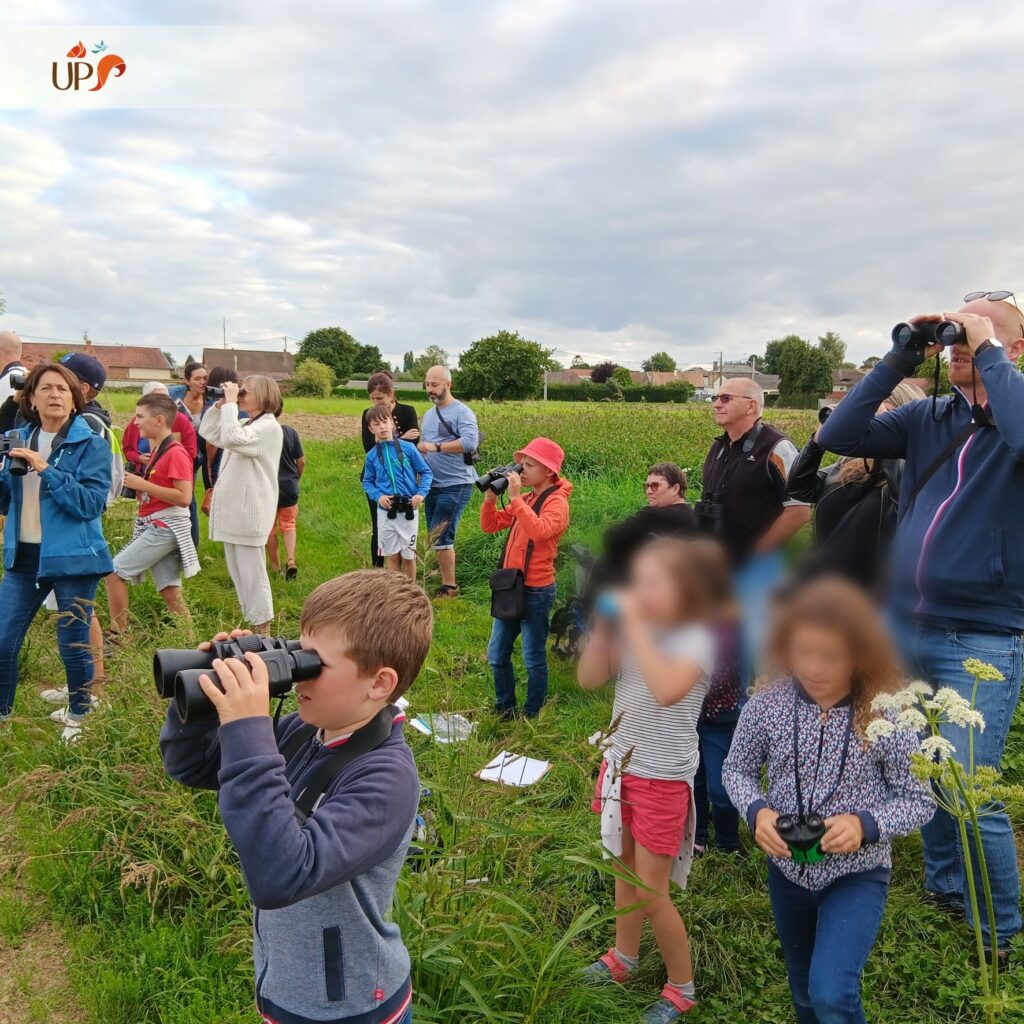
(514, 769)
(447, 728)
(403, 703)
(420, 726)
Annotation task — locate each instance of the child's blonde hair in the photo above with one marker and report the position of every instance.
(835, 604)
(701, 577)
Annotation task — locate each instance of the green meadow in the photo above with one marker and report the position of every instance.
(138, 878)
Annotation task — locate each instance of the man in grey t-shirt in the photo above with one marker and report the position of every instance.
(448, 433)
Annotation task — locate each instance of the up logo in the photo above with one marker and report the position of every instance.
(79, 71)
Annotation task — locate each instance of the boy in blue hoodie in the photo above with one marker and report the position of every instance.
(397, 478)
(320, 858)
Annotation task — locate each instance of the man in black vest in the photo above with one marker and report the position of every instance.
(744, 502)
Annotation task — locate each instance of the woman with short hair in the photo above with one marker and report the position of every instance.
(381, 388)
(245, 499)
(53, 534)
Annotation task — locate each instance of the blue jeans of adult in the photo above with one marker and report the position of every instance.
(444, 507)
(754, 582)
(534, 629)
(936, 654)
(21, 597)
(715, 739)
(826, 937)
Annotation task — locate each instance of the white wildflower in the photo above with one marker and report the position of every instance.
(878, 728)
(919, 688)
(937, 746)
(885, 702)
(911, 719)
(945, 696)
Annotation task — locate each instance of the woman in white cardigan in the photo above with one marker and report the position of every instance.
(245, 497)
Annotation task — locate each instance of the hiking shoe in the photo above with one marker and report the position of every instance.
(55, 696)
(71, 734)
(292, 572)
(65, 717)
(447, 590)
(608, 970)
(671, 1006)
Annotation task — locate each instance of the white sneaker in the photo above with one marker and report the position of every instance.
(55, 696)
(71, 734)
(65, 717)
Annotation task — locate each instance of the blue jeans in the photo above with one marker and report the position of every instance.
(20, 599)
(754, 583)
(715, 740)
(826, 937)
(444, 507)
(936, 654)
(534, 628)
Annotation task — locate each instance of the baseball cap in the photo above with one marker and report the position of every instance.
(86, 368)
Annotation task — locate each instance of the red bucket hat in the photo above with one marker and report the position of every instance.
(546, 452)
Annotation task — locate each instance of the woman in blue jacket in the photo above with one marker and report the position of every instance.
(53, 535)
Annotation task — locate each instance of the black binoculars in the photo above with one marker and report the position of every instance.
(12, 439)
(17, 381)
(214, 392)
(824, 412)
(917, 337)
(497, 480)
(802, 834)
(401, 503)
(176, 673)
(710, 513)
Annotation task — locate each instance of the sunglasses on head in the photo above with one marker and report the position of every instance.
(998, 296)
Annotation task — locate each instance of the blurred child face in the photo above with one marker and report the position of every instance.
(534, 474)
(656, 592)
(821, 660)
(341, 698)
(382, 430)
(150, 426)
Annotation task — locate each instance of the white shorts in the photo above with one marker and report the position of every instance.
(397, 536)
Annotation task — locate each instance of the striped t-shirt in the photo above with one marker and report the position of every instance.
(652, 741)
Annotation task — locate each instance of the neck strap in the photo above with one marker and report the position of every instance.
(796, 759)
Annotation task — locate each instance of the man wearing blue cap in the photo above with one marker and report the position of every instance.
(92, 375)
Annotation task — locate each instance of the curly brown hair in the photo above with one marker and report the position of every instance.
(835, 604)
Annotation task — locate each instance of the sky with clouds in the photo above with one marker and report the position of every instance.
(608, 178)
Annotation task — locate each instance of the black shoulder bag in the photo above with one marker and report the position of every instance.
(469, 458)
(370, 737)
(508, 586)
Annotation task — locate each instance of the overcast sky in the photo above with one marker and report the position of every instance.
(607, 178)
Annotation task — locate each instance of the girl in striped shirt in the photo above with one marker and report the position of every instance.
(651, 639)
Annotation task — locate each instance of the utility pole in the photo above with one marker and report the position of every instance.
(753, 366)
(224, 331)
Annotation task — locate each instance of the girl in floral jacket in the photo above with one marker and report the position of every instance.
(811, 729)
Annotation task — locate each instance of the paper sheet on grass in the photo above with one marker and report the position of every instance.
(450, 728)
(514, 769)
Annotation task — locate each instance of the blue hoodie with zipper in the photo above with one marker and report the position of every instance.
(958, 555)
(73, 493)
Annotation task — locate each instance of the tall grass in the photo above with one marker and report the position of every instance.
(139, 874)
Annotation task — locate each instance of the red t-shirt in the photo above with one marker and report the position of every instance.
(174, 464)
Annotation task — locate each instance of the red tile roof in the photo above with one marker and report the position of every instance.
(113, 357)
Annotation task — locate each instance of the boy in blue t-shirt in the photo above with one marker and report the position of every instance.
(397, 478)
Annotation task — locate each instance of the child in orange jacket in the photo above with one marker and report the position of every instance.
(537, 522)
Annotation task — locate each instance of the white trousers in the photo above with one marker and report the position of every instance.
(248, 568)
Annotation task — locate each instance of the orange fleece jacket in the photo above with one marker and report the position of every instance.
(545, 531)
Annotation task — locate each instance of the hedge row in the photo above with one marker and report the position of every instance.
(587, 391)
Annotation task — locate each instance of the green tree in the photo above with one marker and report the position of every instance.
(603, 372)
(503, 366)
(332, 346)
(433, 356)
(313, 378)
(190, 360)
(367, 360)
(833, 347)
(623, 376)
(579, 363)
(407, 362)
(804, 373)
(660, 362)
(927, 370)
(871, 362)
(773, 352)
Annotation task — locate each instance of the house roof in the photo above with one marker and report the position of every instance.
(137, 357)
(278, 365)
(845, 377)
(563, 377)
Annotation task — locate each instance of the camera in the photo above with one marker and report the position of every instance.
(176, 673)
(824, 412)
(917, 337)
(17, 381)
(214, 392)
(802, 834)
(497, 480)
(711, 513)
(401, 503)
(12, 439)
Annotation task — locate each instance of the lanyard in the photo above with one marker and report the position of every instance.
(387, 465)
(720, 484)
(796, 758)
(165, 444)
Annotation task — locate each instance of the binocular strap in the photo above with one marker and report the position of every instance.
(796, 761)
(371, 736)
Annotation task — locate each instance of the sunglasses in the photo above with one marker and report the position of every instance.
(655, 486)
(998, 296)
(725, 398)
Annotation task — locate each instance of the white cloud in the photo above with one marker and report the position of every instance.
(610, 179)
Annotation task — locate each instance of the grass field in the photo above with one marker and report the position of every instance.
(137, 877)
